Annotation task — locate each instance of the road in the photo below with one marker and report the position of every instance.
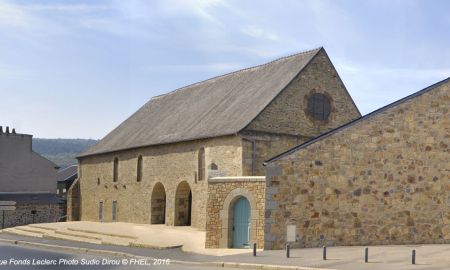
(14, 257)
(394, 257)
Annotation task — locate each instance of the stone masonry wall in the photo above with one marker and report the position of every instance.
(257, 147)
(23, 214)
(222, 193)
(383, 180)
(73, 202)
(169, 164)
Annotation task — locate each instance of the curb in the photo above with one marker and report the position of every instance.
(179, 262)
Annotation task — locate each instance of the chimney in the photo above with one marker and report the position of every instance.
(7, 130)
(14, 131)
(1, 130)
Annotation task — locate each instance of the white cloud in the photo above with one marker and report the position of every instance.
(373, 87)
(14, 73)
(395, 73)
(256, 32)
(12, 15)
(72, 8)
(220, 67)
(200, 8)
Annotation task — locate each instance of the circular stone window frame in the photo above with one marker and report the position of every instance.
(309, 116)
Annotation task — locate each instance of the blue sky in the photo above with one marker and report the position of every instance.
(77, 69)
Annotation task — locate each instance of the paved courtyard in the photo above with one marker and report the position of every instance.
(164, 241)
(126, 234)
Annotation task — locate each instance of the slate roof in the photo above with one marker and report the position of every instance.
(67, 173)
(363, 118)
(219, 106)
(31, 198)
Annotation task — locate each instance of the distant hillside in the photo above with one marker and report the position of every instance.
(61, 151)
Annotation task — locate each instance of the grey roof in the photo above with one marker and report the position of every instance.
(223, 105)
(67, 173)
(34, 198)
(351, 123)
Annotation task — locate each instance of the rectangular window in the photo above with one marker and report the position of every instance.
(139, 169)
(116, 170)
(114, 211)
(100, 211)
(201, 164)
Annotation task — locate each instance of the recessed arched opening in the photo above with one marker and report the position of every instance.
(158, 204)
(239, 222)
(183, 205)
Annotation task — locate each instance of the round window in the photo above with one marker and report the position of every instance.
(319, 106)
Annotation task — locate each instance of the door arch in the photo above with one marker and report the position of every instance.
(158, 204)
(241, 222)
(183, 204)
(226, 217)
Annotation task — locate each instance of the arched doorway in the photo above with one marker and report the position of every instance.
(158, 204)
(240, 222)
(183, 205)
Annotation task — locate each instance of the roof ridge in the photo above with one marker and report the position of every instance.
(66, 168)
(362, 118)
(236, 71)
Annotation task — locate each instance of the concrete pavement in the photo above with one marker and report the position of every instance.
(126, 234)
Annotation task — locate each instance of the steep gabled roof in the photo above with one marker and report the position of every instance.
(361, 119)
(223, 105)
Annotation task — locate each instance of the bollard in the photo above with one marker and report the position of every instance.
(288, 251)
(366, 255)
(414, 256)
(324, 253)
(254, 249)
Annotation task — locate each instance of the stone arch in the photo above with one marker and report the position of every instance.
(183, 204)
(158, 204)
(226, 216)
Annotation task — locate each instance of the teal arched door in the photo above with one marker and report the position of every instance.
(241, 223)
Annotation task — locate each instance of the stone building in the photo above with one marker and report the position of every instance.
(381, 179)
(29, 180)
(194, 156)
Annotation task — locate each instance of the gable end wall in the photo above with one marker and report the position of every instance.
(286, 114)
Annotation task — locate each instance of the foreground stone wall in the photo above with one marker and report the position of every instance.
(222, 193)
(23, 215)
(169, 165)
(382, 180)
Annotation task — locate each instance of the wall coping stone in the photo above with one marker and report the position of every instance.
(237, 179)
